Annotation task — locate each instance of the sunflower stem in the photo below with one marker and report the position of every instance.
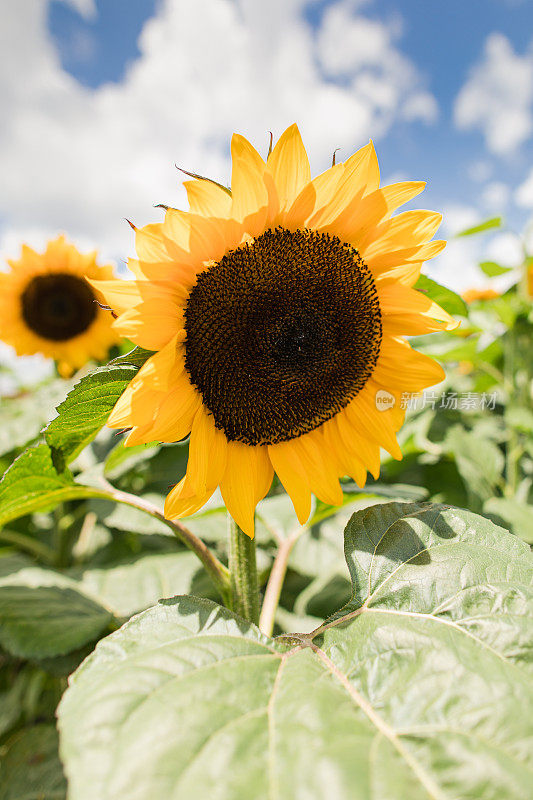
(218, 573)
(243, 573)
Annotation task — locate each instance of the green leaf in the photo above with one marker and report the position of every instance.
(43, 614)
(11, 701)
(86, 408)
(479, 462)
(32, 484)
(518, 516)
(446, 298)
(520, 418)
(130, 587)
(30, 768)
(416, 689)
(487, 225)
(492, 268)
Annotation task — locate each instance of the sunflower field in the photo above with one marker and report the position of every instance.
(265, 532)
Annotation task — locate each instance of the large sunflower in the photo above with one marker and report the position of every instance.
(47, 306)
(278, 311)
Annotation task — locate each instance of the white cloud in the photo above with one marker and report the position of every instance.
(363, 53)
(479, 171)
(506, 249)
(87, 8)
(524, 194)
(495, 196)
(80, 160)
(497, 98)
(458, 265)
(422, 106)
(457, 217)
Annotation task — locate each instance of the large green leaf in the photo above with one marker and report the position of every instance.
(86, 408)
(417, 688)
(33, 484)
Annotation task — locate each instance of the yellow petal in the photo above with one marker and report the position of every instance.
(176, 413)
(249, 191)
(152, 324)
(246, 481)
(289, 166)
(395, 411)
(363, 413)
(138, 403)
(356, 442)
(406, 274)
(182, 500)
(291, 472)
(356, 222)
(123, 295)
(207, 453)
(372, 166)
(408, 229)
(403, 368)
(357, 180)
(151, 244)
(348, 462)
(397, 300)
(319, 465)
(208, 199)
(387, 260)
(313, 197)
(180, 272)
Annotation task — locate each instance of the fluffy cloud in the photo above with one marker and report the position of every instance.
(498, 96)
(524, 194)
(495, 196)
(80, 160)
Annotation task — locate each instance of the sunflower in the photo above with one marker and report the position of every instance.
(278, 311)
(47, 306)
(473, 295)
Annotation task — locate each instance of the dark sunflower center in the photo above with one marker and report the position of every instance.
(58, 306)
(281, 334)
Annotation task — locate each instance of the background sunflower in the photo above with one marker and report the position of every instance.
(47, 306)
(278, 312)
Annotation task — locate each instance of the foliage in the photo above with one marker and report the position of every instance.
(374, 702)
(408, 674)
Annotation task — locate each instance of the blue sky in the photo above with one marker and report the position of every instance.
(107, 95)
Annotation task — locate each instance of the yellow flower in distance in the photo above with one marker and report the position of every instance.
(472, 295)
(47, 306)
(278, 312)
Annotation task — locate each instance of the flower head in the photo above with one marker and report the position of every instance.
(278, 311)
(47, 306)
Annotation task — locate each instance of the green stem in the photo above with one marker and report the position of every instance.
(29, 544)
(511, 463)
(243, 573)
(216, 570)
